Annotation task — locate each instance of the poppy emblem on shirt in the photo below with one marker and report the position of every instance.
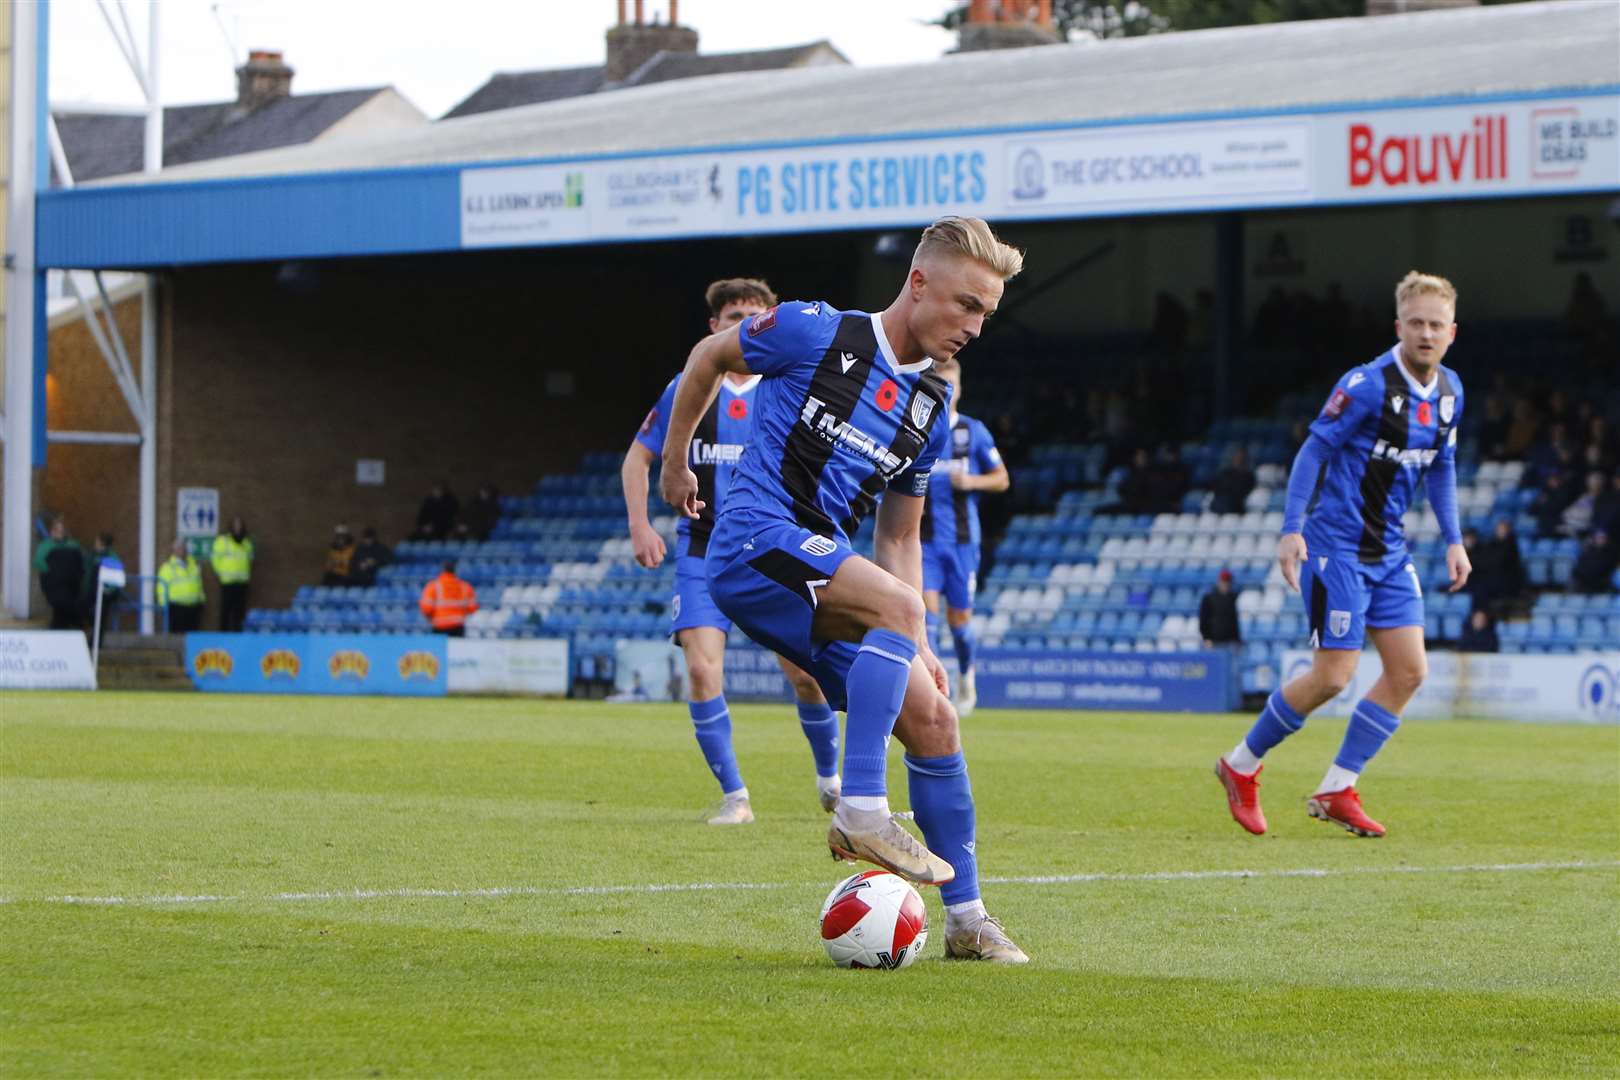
(1425, 413)
(738, 409)
(887, 394)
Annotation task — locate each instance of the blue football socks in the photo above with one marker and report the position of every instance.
(942, 800)
(711, 722)
(820, 726)
(967, 643)
(1277, 721)
(876, 688)
(1370, 727)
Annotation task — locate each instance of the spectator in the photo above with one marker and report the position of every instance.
(1498, 568)
(438, 514)
(483, 513)
(183, 586)
(1493, 433)
(340, 558)
(1594, 567)
(60, 562)
(1479, 634)
(1136, 488)
(1218, 614)
(232, 559)
(1553, 454)
(1548, 507)
(1606, 513)
(370, 557)
(102, 555)
(1233, 484)
(447, 601)
(1522, 430)
(1168, 481)
(1577, 519)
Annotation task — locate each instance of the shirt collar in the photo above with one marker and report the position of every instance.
(742, 387)
(1418, 389)
(888, 353)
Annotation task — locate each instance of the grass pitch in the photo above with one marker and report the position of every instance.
(319, 886)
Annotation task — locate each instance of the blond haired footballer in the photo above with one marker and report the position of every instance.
(1387, 425)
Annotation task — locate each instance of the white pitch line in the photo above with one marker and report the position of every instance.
(762, 886)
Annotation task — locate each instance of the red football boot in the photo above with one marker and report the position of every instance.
(1343, 808)
(1242, 796)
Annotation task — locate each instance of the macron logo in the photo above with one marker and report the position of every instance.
(847, 360)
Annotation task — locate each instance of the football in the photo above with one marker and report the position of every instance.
(874, 920)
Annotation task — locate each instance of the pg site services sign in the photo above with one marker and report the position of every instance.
(414, 665)
(1518, 147)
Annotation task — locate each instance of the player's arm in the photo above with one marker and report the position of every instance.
(711, 358)
(1441, 483)
(992, 475)
(644, 539)
(1350, 404)
(1302, 479)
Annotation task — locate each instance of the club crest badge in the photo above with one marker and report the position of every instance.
(922, 408)
(1338, 623)
(1448, 407)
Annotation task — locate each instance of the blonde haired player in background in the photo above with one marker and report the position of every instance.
(1387, 424)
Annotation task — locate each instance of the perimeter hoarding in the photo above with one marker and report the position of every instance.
(45, 660)
(1520, 147)
(1581, 688)
(413, 665)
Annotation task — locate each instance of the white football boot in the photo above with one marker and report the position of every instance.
(735, 810)
(967, 695)
(877, 837)
(981, 938)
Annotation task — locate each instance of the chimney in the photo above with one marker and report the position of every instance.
(263, 79)
(629, 45)
(1007, 24)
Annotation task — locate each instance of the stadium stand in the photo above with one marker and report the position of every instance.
(1067, 572)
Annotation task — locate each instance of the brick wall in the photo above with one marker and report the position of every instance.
(274, 380)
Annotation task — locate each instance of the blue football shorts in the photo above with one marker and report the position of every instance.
(692, 605)
(1344, 597)
(763, 573)
(953, 571)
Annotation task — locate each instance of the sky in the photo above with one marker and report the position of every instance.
(436, 52)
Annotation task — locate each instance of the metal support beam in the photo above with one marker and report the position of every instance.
(28, 171)
(153, 161)
(95, 438)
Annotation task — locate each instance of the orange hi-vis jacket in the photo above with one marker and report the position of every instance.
(448, 600)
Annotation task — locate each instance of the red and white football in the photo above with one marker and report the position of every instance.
(874, 920)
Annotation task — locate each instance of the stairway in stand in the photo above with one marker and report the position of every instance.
(134, 662)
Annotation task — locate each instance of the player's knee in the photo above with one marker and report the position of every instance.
(1406, 678)
(901, 610)
(805, 688)
(707, 676)
(1331, 680)
(958, 617)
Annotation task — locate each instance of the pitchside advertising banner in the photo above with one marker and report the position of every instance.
(1516, 147)
(414, 665)
(1580, 688)
(45, 660)
(1152, 682)
(528, 667)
